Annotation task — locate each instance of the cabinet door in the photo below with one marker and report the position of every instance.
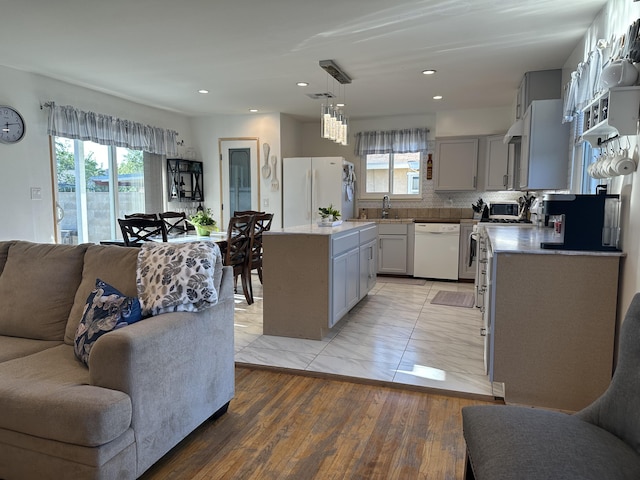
(497, 163)
(544, 156)
(524, 151)
(368, 267)
(456, 164)
(346, 275)
(392, 254)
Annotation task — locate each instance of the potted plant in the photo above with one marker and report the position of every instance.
(204, 222)
(330, 216)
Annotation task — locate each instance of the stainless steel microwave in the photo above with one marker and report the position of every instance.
(504, 210)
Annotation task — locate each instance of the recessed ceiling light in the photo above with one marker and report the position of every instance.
(340, 104)
(437, 97)
(253, 110)
(302, 84)
(429, 71)
(202, 90)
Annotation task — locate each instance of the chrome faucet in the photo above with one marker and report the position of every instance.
(386, 205)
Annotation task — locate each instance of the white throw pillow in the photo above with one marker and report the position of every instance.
(174, 277)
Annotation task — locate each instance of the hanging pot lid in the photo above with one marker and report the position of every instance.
(515, 132)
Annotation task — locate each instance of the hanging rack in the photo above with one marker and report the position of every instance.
(608, 140)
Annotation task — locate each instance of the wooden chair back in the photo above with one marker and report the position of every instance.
(138, 230)
(148, 216)
(262, 223)
(238, 250)
(239, 213)
(175, 222)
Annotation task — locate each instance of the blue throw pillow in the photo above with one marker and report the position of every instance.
(106, 309)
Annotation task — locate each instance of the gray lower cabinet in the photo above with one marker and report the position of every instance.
(393, 249)
(368, 260)
(345, 275)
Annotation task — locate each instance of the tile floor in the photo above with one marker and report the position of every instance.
(394, 334)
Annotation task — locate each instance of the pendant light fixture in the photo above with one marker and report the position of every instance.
(333, 120)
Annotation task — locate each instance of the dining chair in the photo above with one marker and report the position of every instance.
(175, 222)
(238, 252)
(148, 216)
(262, 223)
(135, 231)
(238, 213)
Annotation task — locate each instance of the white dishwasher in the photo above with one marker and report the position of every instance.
(436, 250)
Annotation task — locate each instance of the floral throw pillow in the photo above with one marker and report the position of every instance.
(174, 277)
(106, 309)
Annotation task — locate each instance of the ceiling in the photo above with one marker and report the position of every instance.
(251, 53)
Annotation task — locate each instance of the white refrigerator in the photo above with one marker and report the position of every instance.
(312, 182)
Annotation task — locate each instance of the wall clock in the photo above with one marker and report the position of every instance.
(12, 126)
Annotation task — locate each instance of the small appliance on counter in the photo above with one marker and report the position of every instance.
(583, 222)
(504, 212)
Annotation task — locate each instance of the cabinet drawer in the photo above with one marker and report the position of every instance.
(392, 228)
(367, 234)
(344, 243)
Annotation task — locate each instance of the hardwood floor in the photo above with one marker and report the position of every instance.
(287, 426)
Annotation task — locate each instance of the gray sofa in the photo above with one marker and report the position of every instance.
(600, 442)
(146, 387)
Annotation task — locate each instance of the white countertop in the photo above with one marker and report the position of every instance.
(318, 230)
(527, 239)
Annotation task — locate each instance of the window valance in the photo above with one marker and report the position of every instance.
(69, 122)
(408, 140)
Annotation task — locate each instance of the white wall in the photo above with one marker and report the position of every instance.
(27, 164)
(612, 22)
(208, 130)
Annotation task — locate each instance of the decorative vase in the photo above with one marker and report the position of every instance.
(202, 231)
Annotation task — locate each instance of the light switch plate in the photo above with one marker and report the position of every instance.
(36, 193)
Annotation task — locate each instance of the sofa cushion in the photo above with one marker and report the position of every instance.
(16, 347)
(106, 310)
(37, 288)
(4, 252)
(115, 265)
(178, 277)
(48, 395)
(508, 442)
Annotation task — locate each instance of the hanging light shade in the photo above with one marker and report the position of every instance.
(334, 124)
(325, 121)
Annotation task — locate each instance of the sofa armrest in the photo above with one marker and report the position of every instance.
(178, 369)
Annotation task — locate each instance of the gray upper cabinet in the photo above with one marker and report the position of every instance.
(498, 174)
(538, 85)
(456, 164)
(544, 151)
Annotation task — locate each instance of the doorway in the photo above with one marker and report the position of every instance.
(239, 180)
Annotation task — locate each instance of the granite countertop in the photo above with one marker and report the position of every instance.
(527, 239)
(414, 220)
(318, 230)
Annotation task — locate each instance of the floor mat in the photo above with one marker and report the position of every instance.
(404, 281)
(454, 299)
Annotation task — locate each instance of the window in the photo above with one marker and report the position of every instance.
(96, 185)
(394, 174)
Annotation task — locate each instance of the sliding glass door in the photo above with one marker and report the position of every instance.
(96, 184)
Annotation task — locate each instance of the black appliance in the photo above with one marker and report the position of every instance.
(583, 222)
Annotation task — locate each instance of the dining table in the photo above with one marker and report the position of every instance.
(218, 237)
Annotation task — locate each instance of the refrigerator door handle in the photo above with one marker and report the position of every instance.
(314, 192)
(307, 195)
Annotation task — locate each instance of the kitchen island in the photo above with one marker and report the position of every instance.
(550, 317)
(312, 276)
